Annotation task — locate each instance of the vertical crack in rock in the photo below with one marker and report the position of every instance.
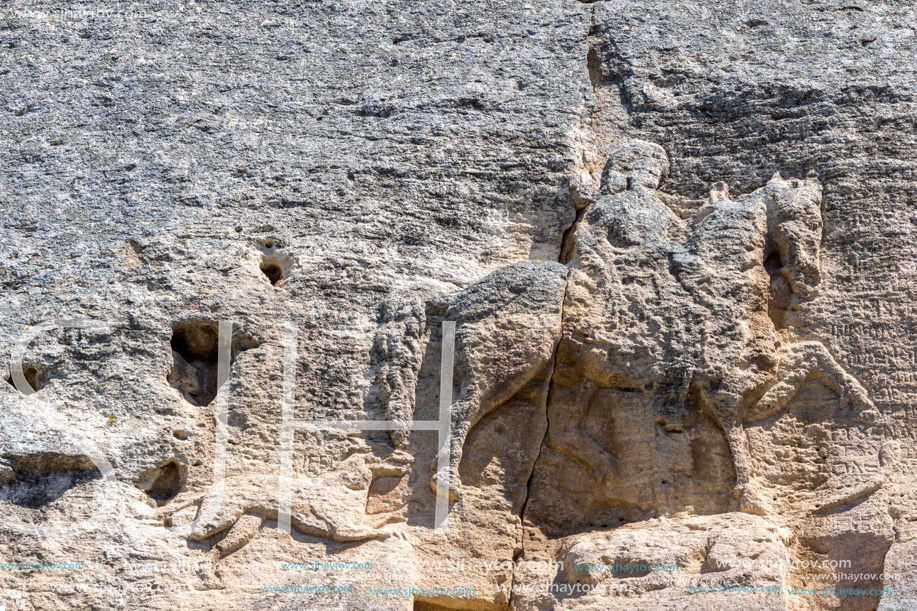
(568, 238)
(541, 445)
(622, 70)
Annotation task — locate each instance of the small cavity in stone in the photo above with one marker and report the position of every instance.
(162, 483)
(195, 356)
(32, 376)
(275, 264)
(35, 480)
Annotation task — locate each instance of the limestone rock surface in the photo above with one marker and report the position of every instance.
(676, 242)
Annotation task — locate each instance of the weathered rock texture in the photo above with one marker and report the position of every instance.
(676, 240)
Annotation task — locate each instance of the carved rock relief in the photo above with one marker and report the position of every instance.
(678, 381)
(676, 351)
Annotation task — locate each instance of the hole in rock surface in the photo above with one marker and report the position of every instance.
(195, 355)
(781, 290)
(162, 483)
(32, 375)
(275, 264)
(35, 480)
(273, 272)
(772, 263)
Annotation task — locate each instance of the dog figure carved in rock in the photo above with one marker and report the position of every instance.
(329, 506)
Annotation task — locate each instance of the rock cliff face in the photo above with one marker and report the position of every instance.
(471, 306)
